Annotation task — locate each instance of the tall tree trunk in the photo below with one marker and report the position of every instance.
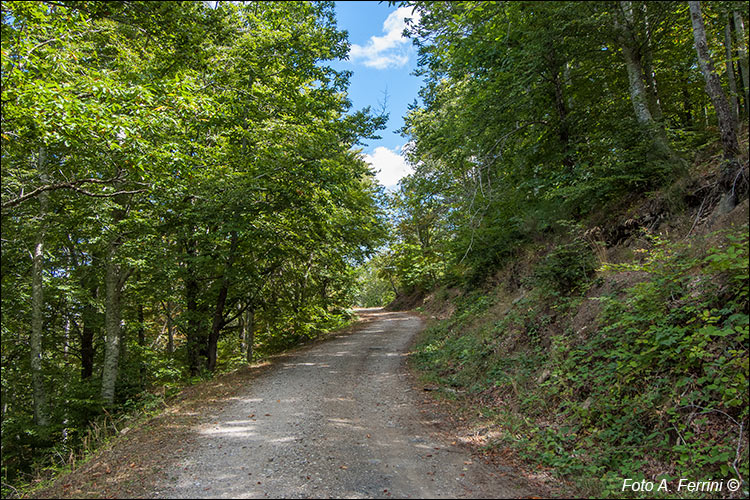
(37, 302)
(727, 127)
(563, 131)
(733, 104)
(639, 96)
(170, 332)
(90, 325)
(115, 278)
(123, 356)
(243, 331)
(568, 83)
(393, 285)
(194, 333)
(142, 344)
(141, 327)
(112, 320)
(90, 315)
(66, 339)
(640, 100)
(221, 300)
(557, 71)
(217, 325)
(739, 30)
(112, 328)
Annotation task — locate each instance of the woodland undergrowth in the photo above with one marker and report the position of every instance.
(599, 371)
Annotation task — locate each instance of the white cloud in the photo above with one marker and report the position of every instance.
(390, 50)
(389, 165)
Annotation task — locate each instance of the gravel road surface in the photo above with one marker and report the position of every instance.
(339, 419)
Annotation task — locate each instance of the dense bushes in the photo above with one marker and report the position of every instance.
(565, 268)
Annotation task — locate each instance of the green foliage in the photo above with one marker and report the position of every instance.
(453, 359)
(695, 324)
(206, 156)
(658, 382)
(374, 288)
(565, 268)
(527, 116)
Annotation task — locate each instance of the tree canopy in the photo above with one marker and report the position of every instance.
(182, 189)
(536, 112)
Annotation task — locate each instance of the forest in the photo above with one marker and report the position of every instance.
(179, 185)
(183, 193)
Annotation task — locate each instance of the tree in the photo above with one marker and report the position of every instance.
(733, 100)
(739, 29)
(636, 53)
(533, 112)
(727, 125)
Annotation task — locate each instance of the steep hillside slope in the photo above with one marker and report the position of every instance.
(616, 349)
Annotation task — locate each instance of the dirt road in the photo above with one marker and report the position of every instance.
(338, 419)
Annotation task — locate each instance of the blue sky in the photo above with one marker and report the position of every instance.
(380, 59)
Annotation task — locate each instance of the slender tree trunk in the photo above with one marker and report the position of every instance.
(730, 71)
(66, 341)
(123, 356)
(250, 333)
(652, 91)
(87, 337)
(37, 303)
(142, 343)
(727, 126)
(193, 331)
(217, 325)
(221, 299)
(112, 324)
(393, 285)
(90, 316)
(639, 98)
(639, 95)
(170, 333)
(562, 110)
(568, 83)
(739, 30)
(115, 278)
(243, 332)
(562, 114)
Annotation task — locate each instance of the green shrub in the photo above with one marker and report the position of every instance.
(565, 268)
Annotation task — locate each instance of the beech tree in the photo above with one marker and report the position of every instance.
(636, 53)
(727, 126)
(739, 29)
